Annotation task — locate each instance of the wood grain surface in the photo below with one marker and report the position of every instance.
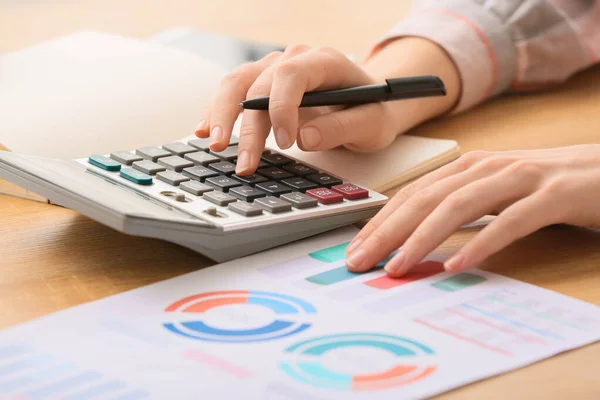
(52, 258)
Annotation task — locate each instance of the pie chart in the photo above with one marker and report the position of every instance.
(249, 316)
(407, 361)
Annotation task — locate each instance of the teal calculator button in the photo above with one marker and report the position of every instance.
(104, 163)
(136, 176)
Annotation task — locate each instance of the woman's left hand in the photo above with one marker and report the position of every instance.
(527, 190)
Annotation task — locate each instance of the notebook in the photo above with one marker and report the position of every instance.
(94, 93)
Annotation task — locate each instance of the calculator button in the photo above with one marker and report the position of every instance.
(219, 198)
(224, 167)
(277, 159)
(175, 163)
(273, 188)
(179, 148)
(148, 167)
(324, 180)
(275, 173)
(200, 144)
(228, 154)
(250, 179)
(300, 200)
(300, 169)
(136, 176)
(152, 153)
(245, 209)
(199, 173)
(125, 157)
(246, 193)
(195, 188)
(171, 177)
(201, 158)
(325, 196)
(104, 163)
(299, 184)
(273, 204)
(222, 183)
(351, 192)
(263, 164)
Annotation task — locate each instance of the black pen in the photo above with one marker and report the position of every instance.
(393, 89)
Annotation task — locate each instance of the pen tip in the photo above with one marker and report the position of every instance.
(241, 104)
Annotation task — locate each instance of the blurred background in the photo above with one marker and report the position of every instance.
(314, 22)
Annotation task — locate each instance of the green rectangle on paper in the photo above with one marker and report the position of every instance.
(330, 254)
(459, 282)
(332, 276)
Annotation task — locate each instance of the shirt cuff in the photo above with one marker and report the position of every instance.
(478, 42)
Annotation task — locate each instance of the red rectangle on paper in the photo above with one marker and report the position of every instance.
(421, 271)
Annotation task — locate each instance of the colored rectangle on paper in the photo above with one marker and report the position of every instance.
(330, 254)
(332, 276)
(386, 282)
(459, 282)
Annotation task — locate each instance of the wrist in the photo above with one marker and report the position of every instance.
(410, 56)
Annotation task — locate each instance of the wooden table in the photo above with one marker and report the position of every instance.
(52, 258)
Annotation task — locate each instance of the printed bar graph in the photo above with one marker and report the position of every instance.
(421, 271)
(330, 254)
(99, 390)
(332, 276)
(64, 385)
(458, 282)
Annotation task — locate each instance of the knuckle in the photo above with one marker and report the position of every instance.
(421, 199)
(235, 77)
(272, 55)
(342, 124)
(328, 50)
(526, 169)
(279, 105)
(457, 201)
(289, 69)
(416, 240)
(556, 187)
(379, 238)
(247, 131)
(469, 159)
(258, 89)
(296, 48)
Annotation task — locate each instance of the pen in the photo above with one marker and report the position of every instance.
(393, 89)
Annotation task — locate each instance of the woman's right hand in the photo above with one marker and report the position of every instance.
(285, 77)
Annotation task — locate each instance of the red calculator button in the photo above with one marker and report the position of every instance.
(325, 196)
(351, 192)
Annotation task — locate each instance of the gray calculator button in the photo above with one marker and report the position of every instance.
(222, 183)
(125, 157)
(195, 188)
(219, 198)
(152, 153)
(171, 177)
(148, 167)
(300, 200)
(201, 158)
(273, 204)
(246, 193)
(245, 209)
(200, 144)
(230, 153)
(224, 167)
(199, 173)
(175, 163)
(179, 148)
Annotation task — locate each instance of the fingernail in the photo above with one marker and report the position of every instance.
(356, 259)
(454, 263)
(282, 138)
(243, 161)
(353, 245)
(310, 137)
(201, 125)
(396, 264)
(216, 135)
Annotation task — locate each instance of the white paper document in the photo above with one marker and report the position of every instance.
(293, 324)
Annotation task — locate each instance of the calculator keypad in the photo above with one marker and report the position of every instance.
(280, 184)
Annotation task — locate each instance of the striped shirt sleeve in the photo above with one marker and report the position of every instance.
(500, 45)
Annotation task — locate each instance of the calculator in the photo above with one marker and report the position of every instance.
(184, 193)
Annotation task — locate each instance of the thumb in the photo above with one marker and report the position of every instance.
(362, 128)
